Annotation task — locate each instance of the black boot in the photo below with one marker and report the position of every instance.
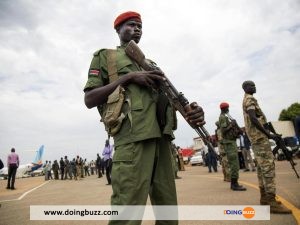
(235, 185)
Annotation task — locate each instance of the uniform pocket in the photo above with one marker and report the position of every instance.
(124, 65)
(124, 153)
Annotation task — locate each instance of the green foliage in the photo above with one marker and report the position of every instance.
(290, 113)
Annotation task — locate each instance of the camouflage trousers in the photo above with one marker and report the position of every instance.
(232, 156)
(224, 162)
(174, 164)
(265, 165)
(225, 166)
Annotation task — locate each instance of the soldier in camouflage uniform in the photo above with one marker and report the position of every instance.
(142, 164)
(175, 160)
(254, 120)
(224, 160)
(230, 147)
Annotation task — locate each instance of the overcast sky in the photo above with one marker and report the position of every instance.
(207, 48)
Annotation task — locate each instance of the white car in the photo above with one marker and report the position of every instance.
(196, 159)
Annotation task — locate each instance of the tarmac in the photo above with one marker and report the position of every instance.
(197, 187)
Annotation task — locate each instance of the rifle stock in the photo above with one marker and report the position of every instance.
(176, 98)
(280, 144)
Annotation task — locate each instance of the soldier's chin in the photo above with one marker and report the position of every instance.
(136, 39)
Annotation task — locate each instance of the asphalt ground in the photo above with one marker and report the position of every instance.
(197, 187)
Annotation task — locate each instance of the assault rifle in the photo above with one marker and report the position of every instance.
(236, 129)
(281, 145)
(176, 98)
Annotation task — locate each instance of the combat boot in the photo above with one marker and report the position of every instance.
(264, 197)
(275, 207)
(235, 185)
(227, 179)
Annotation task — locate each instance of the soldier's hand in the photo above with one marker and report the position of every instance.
(146, 78)
(195, 116)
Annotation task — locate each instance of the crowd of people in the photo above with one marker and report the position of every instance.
(78, 168)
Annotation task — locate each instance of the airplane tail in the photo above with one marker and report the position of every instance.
(39, 155)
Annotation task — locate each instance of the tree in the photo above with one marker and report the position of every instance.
(290, 113)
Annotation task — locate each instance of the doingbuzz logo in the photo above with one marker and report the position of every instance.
(247, 212)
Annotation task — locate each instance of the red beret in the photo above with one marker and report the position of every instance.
(224, 105)
(125, 16)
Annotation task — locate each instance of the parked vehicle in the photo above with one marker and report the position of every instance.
(196, 159)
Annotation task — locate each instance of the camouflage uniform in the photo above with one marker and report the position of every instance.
(174, 160)
(260, 146)
(224, 160)
(230, 147)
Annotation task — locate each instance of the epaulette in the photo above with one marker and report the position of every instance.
(98, 52)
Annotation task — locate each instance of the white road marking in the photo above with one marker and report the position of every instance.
(24, 194)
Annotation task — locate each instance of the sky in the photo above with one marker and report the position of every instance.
(207, 48)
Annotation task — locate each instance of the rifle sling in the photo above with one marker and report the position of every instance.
(112, 68)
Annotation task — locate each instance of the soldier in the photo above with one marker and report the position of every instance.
(175, 160)
(78, 166)
(254, 120)
(73, 168)
(180, 159)
(245, 147)
(92, 166)
(99, 166)
(55, 168)
(223, 156)
(62, 167)
(141, 145)
(67, 168)
(81, 168)
(86, 167)
(230, 147)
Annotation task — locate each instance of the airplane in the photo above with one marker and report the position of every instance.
(26, 170)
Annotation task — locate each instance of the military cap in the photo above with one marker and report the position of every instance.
(125, 16)
(224, 105)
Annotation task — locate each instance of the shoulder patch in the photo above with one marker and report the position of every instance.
(94, 72)
(98, 52)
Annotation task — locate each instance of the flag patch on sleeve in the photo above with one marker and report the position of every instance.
(94, 72)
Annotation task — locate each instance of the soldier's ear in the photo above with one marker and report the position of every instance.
(118, 29)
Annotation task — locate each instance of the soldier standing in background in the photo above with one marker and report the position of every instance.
(92, 166)
(67, 168)
(180, 159)
(99, 166)
(78, 167)
(259, 136)
(81, 168)
(62, 167)
(73, 168)
(86, 168)
(245, 148)
(223, 156)
(175, 160)
(55, 168)
(230, 147)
